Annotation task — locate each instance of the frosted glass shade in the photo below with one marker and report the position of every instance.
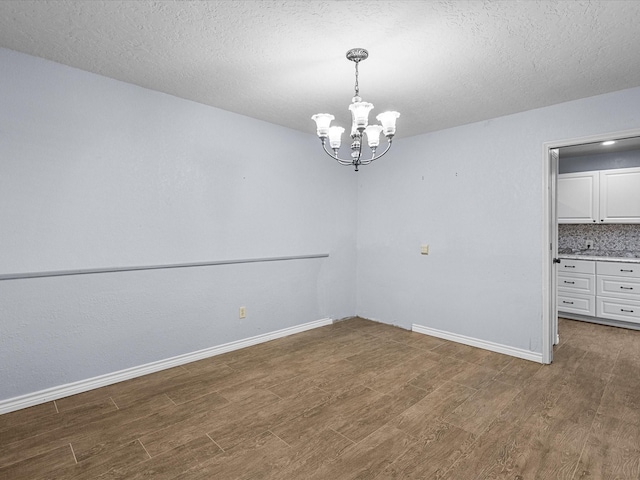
(323, 120)
(335, 136)
(388, 121)
(373, 135)
(360, 113)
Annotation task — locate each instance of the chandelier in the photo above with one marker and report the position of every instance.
(359, 126)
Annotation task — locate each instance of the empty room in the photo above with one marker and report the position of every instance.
(205, 273)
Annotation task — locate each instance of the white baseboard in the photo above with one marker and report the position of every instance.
(54, 393)
(474, 342)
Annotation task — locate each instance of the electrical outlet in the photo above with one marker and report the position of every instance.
(243, 312)
(588, 244)
(424, 249)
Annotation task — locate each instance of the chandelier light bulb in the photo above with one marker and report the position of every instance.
(388, 121)
(335, 137)
(359, 125)
(360, 114)
(373, 135)
(323, 120)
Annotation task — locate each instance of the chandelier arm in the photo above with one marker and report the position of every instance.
(376, 157)
(335, 155)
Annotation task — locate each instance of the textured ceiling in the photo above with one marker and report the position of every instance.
(440, 63)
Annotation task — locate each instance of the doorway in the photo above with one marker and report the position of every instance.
(550, 231)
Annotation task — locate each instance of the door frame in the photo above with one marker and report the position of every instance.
(550, 227)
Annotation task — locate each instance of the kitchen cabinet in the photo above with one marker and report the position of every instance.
(620, 195)
(600, 289)
(577, 287)
(578, 197)
(605, 196)
(618, 291)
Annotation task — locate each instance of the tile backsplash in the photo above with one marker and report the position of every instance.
(607, 238)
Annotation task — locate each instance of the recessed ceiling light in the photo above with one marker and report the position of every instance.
(608, 142)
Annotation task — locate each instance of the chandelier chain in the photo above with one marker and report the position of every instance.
(357, 86)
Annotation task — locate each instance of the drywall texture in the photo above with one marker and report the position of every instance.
(474, 194)
(98, 173)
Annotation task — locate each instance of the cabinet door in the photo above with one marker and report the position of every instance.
(578, 197)
(620, 196)
(618, 309)
(576, 303)
(577, 283)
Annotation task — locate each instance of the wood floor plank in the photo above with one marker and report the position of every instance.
(377, 413)
(387, 379)
(127, 455)
(24, 444)
(260, 457)
(310, 456)
(139, 386)
(30, 414)
(479, 410)
(418, 419)
(438, 447)
(612, 451)
(338, 409)
(475, 376)
(368, 458)
(445, 368)
(166, 466)
(622, 401)
(66, 420)
(241, 425)
(44, 465)
(518, 372)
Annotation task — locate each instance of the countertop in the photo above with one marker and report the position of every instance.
(593, 257)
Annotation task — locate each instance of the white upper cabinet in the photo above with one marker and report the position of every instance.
(620, 196)
(578, 197)
(606, 196)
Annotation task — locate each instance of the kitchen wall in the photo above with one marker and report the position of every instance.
(603, 161)
(96, 173)
(613, 239)
(474, 193)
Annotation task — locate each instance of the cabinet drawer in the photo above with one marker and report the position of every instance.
(574, 303)
(577, 283)
(619, 287)
(618, 309)
(619, 269)
(576, 266)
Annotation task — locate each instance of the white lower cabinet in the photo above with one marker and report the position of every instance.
(576, 287)
(618, 309)
(618, 291)
(575, 303)
(608, 290)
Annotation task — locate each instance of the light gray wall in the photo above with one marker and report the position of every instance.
(604, 161)
(99, 173)
(474, 193)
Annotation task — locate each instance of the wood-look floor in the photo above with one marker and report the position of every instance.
(355, 400)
